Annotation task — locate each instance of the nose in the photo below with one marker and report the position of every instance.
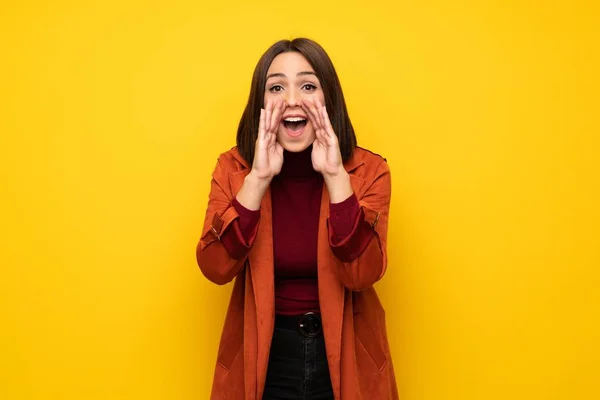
(293, 98)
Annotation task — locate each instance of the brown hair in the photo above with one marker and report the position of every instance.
(334, 98)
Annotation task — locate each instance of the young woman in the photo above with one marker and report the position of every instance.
(298, 215)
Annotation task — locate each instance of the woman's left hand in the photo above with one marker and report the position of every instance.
(326, 155)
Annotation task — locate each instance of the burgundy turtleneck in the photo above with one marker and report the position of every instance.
(296, 199)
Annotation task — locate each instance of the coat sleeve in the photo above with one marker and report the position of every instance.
(349, 236)
(342, 218)
(363, 252)
(222, 251)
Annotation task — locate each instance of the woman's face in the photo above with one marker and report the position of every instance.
(291, 78)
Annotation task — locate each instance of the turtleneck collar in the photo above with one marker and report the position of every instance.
(298, 165)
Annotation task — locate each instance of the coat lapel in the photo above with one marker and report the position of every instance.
(263, 281)
(331, 290)
(260, 272)
(331, 296)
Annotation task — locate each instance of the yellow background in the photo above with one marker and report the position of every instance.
(111, 120)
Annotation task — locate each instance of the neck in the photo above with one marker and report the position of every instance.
(298, 164)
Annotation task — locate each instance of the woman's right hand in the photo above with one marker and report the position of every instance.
(268, 156)
(268, 153)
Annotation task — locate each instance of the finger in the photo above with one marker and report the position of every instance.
(327, 123)
(310, 106)
(272, 138)
(276, 116)
(279, 107)
(312, 114)
(319, 137)
(318, 107)
(325, 137)
(312, 120)
(261, 125)
(268, 111)
(309, 115)
(324, 118)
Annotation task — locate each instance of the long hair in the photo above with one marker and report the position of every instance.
(334, 97)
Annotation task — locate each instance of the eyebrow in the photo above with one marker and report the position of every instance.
(281, 75)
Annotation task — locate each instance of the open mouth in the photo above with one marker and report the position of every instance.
(294, 124)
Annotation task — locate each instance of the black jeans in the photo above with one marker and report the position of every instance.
(297, 368)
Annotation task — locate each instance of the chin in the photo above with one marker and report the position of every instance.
(295, 145)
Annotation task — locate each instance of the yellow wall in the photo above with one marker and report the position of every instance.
(111, 120)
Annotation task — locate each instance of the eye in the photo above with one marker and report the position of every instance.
(309, 87)
(275, 88)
